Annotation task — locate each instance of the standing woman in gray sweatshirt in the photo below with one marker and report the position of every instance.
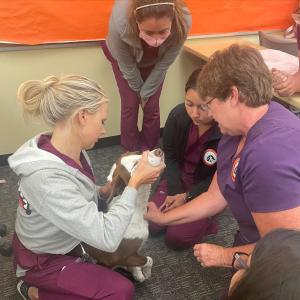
(58, 197)
(144, 39)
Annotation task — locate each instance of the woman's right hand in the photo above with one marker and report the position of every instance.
(211, 255)
(285, 84)
(145, 173)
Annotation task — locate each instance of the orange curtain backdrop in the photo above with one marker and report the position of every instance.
(220, 16)
(47, 21)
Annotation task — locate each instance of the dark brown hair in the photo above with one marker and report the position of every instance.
(274, 269)
(192, 81)
(175, 13)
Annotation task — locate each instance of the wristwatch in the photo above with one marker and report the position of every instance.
(237, 258)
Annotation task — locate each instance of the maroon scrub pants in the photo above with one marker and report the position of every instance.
(131, 138)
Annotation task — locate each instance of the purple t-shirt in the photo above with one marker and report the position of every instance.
(45, 144)
(265, 175)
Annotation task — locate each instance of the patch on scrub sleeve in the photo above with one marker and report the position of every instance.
(234, 169)
(210, 157)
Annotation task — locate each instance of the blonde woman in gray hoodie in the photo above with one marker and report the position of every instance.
(58, 197)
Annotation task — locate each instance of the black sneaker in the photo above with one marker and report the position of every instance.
(23, 288)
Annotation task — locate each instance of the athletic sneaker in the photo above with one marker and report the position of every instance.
(23, 288)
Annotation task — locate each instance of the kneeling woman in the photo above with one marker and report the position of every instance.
(190, 143)
(58, 195)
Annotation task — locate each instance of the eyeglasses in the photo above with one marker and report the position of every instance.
(206, 106)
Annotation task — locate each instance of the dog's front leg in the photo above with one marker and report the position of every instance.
(141, 273)
(147, 267)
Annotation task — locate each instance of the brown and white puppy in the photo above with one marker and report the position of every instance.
(128, 253)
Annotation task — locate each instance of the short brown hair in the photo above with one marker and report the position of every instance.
(175, 13)
(241, 66)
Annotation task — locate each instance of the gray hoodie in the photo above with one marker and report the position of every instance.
(58, 205)
(128, 52)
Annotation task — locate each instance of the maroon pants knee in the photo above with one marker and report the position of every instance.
(184, 236)
(131, 138)
(62, 277)
(158, 198)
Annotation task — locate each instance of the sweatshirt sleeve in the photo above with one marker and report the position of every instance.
(60, 201)
(158, 73)
(123, 55)
(172, 172)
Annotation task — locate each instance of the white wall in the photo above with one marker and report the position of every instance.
(18, 66)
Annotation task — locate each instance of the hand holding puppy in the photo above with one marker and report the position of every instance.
(144, 172)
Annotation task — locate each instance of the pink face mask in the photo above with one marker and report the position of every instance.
(151, 41)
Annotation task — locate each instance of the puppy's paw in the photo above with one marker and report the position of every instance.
(137, 273)
(146, 268)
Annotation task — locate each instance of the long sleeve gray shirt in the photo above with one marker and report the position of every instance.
(63, 205)
(127, 50)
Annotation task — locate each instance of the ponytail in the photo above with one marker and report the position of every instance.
(56, 98)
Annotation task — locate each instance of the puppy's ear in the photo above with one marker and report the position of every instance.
(117, 188)
(120, 179)
(124, 174)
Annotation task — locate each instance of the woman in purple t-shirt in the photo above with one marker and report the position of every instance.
(259, 157)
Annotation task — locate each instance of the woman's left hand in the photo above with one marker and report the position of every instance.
(143, 103)
(173, 202)
(210, 255)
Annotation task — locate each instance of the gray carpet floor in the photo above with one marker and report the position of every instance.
(176, 275)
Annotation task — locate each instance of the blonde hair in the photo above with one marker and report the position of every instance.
(175, 12)
(241, 66)
(57, 98)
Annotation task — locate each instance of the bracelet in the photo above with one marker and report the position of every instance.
(188, 197)
(237, 257)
